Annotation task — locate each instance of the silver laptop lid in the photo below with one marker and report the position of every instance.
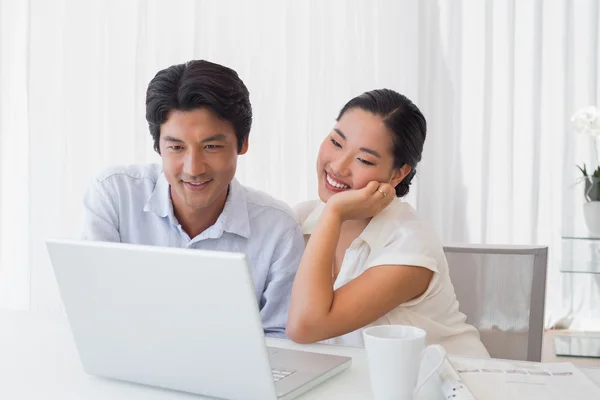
(174, 318)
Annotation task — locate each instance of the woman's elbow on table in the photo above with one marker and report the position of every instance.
(301, 331)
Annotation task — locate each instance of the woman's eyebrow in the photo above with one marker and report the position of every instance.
(366, 150)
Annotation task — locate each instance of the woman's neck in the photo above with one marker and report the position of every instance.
(355, 227)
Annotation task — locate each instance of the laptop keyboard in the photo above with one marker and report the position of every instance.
(279, 374)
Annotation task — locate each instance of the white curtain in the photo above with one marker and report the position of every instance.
(497, 81)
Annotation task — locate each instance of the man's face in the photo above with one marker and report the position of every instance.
(199, 153)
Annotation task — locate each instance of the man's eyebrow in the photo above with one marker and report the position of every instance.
(213, 138)
(218, 136)
(171, 139)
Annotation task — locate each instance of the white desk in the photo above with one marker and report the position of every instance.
(38, 360)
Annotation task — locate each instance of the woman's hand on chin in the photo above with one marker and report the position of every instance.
(362, 203)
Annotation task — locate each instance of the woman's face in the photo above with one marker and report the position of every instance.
(358, 150)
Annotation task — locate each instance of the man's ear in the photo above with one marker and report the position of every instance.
(244, 146)
(400, 174)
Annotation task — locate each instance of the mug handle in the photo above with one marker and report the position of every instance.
(431, 348)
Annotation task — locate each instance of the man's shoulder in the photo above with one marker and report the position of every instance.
(261, 205)
(130, 173)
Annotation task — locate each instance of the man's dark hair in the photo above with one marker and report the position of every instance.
(199, 84)
(405, 122)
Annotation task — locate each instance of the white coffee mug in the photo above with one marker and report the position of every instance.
(394, 354)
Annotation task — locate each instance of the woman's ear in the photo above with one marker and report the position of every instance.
(399, 174)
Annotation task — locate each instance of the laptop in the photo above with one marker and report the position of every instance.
(179, 319)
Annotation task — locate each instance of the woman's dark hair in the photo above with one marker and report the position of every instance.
(405, 122)
(199, 84)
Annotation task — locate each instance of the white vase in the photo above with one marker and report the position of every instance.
(591, 214)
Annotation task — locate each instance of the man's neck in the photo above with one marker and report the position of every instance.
(196, 221)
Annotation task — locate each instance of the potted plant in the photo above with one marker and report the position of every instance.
(587, 121)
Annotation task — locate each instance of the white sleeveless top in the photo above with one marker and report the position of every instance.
(397, 236)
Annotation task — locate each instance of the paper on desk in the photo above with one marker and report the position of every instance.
(514, 380)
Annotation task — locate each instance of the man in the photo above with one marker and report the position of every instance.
(199, 115)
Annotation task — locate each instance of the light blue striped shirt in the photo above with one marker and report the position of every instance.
(132, 204)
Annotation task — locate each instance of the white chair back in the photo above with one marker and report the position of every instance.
(502, 291)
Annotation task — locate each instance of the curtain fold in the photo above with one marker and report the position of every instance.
(501, 81)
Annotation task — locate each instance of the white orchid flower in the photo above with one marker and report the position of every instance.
(587, 121)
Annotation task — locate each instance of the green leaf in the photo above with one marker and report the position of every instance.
(584, 169)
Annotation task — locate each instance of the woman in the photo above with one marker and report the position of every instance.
(369, 259)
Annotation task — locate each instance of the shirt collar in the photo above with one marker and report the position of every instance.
(376, 233)
(233, 219)
(160, 200)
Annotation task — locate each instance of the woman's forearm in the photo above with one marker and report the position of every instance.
(312, 294)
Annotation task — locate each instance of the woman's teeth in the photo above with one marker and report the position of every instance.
(335, 183)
